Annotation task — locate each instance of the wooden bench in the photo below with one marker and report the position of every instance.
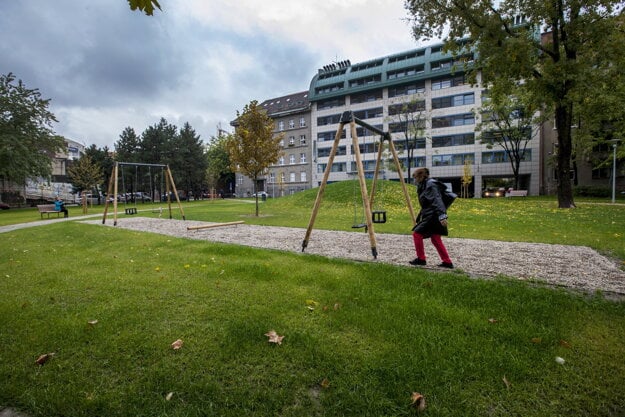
(47, 209)
(516, 193)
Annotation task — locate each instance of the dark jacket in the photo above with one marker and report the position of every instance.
(432, 209)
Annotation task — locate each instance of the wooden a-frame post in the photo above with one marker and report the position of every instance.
(348, 117)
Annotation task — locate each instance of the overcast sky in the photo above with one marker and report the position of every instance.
(199, 61)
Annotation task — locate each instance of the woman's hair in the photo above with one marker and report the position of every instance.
(424, 171)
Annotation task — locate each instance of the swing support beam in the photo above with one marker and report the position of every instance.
(112, 190)
(367, 201)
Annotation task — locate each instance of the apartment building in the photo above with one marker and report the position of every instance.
(292, 172)
(429, 82)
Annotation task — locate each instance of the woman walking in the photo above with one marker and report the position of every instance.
(432, 219)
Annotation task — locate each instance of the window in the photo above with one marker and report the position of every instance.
(448, 82)
(291, 159)
(406, 72)
(302, 158)
(302, 122)
(324, 152)
(282, 143)
(291, 140)
(366, 97)
(452, 101)
(292, 177)
(453, 140)
(282, 177)
(272, 177)
(291, 124)
(454, 120)
(280, 125)
(281, 160)
(329, 88)
(362, 132)
(302, 176)
(407, 89)
(495, 157)
(453, 159)
(369, 113)
(409, 107)
(328, 120)
(372, 79)
(302, 139)
(330, 103)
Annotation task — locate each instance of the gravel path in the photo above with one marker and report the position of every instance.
(577, 267)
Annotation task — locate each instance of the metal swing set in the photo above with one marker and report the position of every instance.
(371, 216)
(112, 191)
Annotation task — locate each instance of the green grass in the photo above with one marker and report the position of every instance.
(394, 330)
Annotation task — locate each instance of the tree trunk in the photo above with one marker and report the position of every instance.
(564, 116)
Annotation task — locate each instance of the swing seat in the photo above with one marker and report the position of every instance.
(379, 216)
(132, 210)
(360, 226)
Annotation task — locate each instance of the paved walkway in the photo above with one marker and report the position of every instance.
(11, 227)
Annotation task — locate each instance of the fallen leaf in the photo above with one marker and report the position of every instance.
(274, 337)
(536, 340)
(177, 344)
(325, 383)
(92, 322)
(337, 306)
(312, 303)
(418, 401)
(492, 320)
(560, 360)
(44, 358)
(168, 396)
(565, 344)
(506, 382)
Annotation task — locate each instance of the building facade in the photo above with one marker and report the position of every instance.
(432, 84)
(292, 172)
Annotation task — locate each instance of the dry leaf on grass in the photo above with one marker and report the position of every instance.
(177, 344)
(325, 383)
(168, 396)
(274, 337)
(418, 401)
(44, 358)
(92, 322)
(506, 382)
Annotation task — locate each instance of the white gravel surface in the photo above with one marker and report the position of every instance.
(576, 267)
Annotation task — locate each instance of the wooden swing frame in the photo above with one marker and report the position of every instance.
(367, 200)
(112, 191)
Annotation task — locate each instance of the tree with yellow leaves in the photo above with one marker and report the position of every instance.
(253, 146)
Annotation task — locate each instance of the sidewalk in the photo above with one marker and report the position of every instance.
(11, 227)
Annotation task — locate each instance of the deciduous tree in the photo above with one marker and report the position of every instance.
(27, 141)
(253, 147)
(146, 6)
(506, 36)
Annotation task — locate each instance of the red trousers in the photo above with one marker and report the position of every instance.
(436, 241)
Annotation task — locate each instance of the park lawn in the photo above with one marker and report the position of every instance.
(359, 338)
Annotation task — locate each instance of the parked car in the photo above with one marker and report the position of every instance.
(261, 194)
(141, 196)
(493, 192)
(172, 196)
(91, 199)
(4, 206)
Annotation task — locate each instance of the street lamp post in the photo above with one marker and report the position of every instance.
(614, 142)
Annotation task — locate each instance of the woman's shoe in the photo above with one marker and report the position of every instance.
(446, 265)
(417, 261)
